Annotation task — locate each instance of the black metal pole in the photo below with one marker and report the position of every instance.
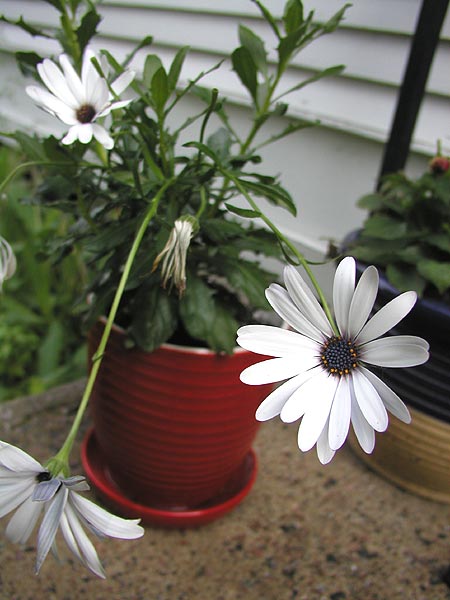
(423, 46)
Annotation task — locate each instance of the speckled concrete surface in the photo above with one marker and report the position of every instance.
(306, 532)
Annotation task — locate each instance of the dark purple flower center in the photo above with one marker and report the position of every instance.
(85, 113)
(44, 476)
(339, 356)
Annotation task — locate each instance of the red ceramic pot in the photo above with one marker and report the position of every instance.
(173, 425)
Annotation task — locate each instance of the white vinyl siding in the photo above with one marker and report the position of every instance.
(326, 168)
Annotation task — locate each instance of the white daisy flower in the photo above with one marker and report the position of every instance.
(27, 486)
(328, 385)
(79, 101)
(7, 261)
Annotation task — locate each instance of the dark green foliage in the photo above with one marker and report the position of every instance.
(407, 232)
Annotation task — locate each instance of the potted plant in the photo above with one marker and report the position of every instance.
(157, 212)
(407, 235)
(195, 272)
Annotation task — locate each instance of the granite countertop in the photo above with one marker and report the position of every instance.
(306, 531)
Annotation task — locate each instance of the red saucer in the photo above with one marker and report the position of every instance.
(97, 473)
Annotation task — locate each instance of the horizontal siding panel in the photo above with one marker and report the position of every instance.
(395, 16)
(360, 102)
(371, 56)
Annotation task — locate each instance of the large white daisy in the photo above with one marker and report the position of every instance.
(79, 101)
(328, 384)
(27, 486)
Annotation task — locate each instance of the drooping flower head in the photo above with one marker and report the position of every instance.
(328, 383)
(174, 253)
(79, 101)
(27, 486)
(7, 261)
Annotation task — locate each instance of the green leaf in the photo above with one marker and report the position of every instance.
(197, 309)
(331, 71)
(245, 68)
(293, 15)
(272, 192)
(384, 227)
(371, 202)
(30, 29)
(160, 89)
(255, 47)
(31, 146)
(405, 278)
(222, 333)
(270, 19)
(51, 348)
(220, 142)
(438, 273)
(247, 213)
(333, 23)
(154, 317)
(27, 62)
(87, 28)
(152, 64)
(175, 68)
(439, 240)
(249, 279)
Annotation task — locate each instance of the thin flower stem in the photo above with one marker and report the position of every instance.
(288, 244)
(60, 462)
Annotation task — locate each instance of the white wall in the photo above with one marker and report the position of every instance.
(326, 168)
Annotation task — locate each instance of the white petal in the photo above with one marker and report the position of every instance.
(395, 351)
(390, 399)
(102, 136)
(49, 526)
(362, 301)
(13, 495)
(51, 104)
(305, 300)
(73, 80)
(45, 490)
(340, 415)
(387, 317)
(272, 405)
(274, 341)
(23, 522)
(343, 288)
(298, 403)
(17, 460)
(54, 79)
(71, 136)
(113, 106)
(86, 548)
(365, 434)
(122, 82)
(69, 537)
(84, 132)
(369, 402)
(324, 452)
(270, 371)
(282, 304)
(322, 390)
(103, 521)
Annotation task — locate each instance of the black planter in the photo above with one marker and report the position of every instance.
(426, 387)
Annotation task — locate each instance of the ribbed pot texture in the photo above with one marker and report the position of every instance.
(175, 424)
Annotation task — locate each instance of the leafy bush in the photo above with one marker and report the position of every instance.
(41, 344)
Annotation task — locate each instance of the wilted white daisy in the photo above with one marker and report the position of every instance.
(27, 486)
(7, 261)
(79, 101)
(174, 253)
(328, 384)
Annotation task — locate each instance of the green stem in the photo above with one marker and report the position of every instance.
(288, 244)
(59, 463)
